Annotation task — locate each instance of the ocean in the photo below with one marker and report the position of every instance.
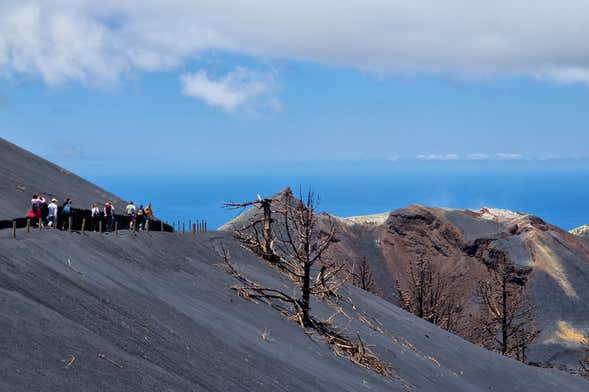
(558, 195)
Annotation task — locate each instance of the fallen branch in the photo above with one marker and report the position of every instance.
(102, 356)
(71, 361)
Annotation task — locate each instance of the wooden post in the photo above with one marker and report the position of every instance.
(28, 225)
(13, 230)
(116, 228)
(161, 226)
(189, 224)
(69, 224)
(100, 226)
(183, 231)
(194, 228)
(83, 224)
(197, 225)
(40, 224)
(178, 226)
(205, 230)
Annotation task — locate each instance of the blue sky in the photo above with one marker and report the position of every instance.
(326, 113)
(131, 89)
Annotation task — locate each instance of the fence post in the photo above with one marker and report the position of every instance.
(100, 226)
(183, 231)
(194, 228)
(13, 230)
(178, 226)
(205, 230)
(40, 224)
(83, 224)
(28, 225)
(161, 226)
(116, 228)
(69, 224)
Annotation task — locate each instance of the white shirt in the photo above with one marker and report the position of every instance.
(95, 211)
(52, 209)
(131, 209)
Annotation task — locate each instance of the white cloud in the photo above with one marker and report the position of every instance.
(566, 75)
(438, 157)
(230, 91)
(477, 157)
(96, 42)
(507, 156)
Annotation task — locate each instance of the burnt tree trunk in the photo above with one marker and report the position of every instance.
(268, 253)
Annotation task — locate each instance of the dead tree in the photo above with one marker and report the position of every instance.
(584, 362)
(362, 275)
(288, 235)
(258, 239)
(300, 244)
(431, 296)
(506, 322)
(342, 345)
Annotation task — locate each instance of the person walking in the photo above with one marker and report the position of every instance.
(95, 216)
(44, 212)
(37, 207)
(131, 211)
(140, 218)
(66, 214)
(31, 214)
(109, 215)
(52, 214)
(148, 214)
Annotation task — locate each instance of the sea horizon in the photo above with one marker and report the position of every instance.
(557, 193)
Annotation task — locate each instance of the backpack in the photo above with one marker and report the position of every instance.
(67, 209)
(107, 209)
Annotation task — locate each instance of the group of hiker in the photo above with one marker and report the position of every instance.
(51, 215)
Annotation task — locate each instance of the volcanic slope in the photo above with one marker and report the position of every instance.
(156, 311)
(454, 239)
(23, 174)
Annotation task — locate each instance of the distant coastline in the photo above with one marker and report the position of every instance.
(558, 196)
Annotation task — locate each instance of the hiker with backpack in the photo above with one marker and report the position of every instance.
(131, 211)
(95, 216)
(52, 213)
(66, 214)
(109, 215)
(148, 213)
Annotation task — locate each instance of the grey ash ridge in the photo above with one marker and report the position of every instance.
(154, 312)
